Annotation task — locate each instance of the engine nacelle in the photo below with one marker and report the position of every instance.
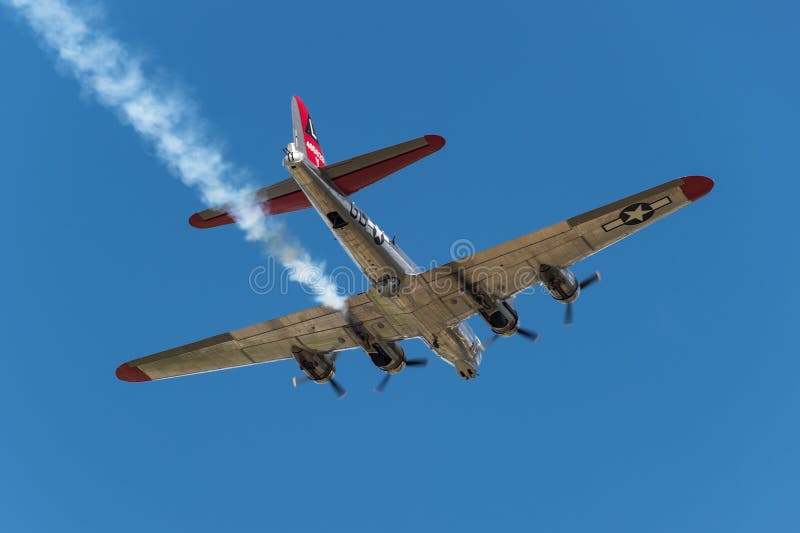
(388, 356)
(560, 283)
(501, 317)
(318, 366)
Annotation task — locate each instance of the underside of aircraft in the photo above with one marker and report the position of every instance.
(403, 302)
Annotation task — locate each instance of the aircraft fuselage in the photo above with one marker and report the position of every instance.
(386, 266)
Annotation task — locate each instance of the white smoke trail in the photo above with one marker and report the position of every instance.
(165, 119)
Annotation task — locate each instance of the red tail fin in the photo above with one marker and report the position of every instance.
(305, 134)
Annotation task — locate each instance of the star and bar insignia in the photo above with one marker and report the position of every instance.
(636, 213)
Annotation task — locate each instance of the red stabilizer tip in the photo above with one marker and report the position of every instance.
(695, 187)
(198, 222)
(435, 141)
(125, 372)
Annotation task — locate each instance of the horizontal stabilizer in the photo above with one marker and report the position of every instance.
(350, 176)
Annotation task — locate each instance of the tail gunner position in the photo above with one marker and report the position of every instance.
(404, 302)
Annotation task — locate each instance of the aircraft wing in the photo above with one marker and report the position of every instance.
(505, 269)
(350, 176)
(318, 328)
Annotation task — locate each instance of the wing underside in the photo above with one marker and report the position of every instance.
(318, 328)
(505, 269)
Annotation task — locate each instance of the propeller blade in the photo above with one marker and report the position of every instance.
(340, 392)
(588, 281)
(299, 380)
(583, 284)
(490, 341)
(528, 334)
(417, 362)
(383, 383)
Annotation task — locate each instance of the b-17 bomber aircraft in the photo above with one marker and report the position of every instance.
(404, 302)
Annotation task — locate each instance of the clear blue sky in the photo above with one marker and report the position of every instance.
(672, 404)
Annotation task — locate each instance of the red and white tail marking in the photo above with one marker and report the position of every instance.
(305, 133)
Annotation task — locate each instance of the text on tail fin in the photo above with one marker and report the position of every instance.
(305, 133)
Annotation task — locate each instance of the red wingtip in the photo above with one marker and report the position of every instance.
(134, 374)
(695, 187)
(435, 141)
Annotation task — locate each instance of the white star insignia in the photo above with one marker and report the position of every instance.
(637, 214)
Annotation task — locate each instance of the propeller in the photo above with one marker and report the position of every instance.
(337, 387)
(340, 392)
(409, 362)
(382, 384)
(296, 381)
(583, 284)
(527, 333)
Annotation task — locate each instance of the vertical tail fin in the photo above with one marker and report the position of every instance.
(305, 134)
